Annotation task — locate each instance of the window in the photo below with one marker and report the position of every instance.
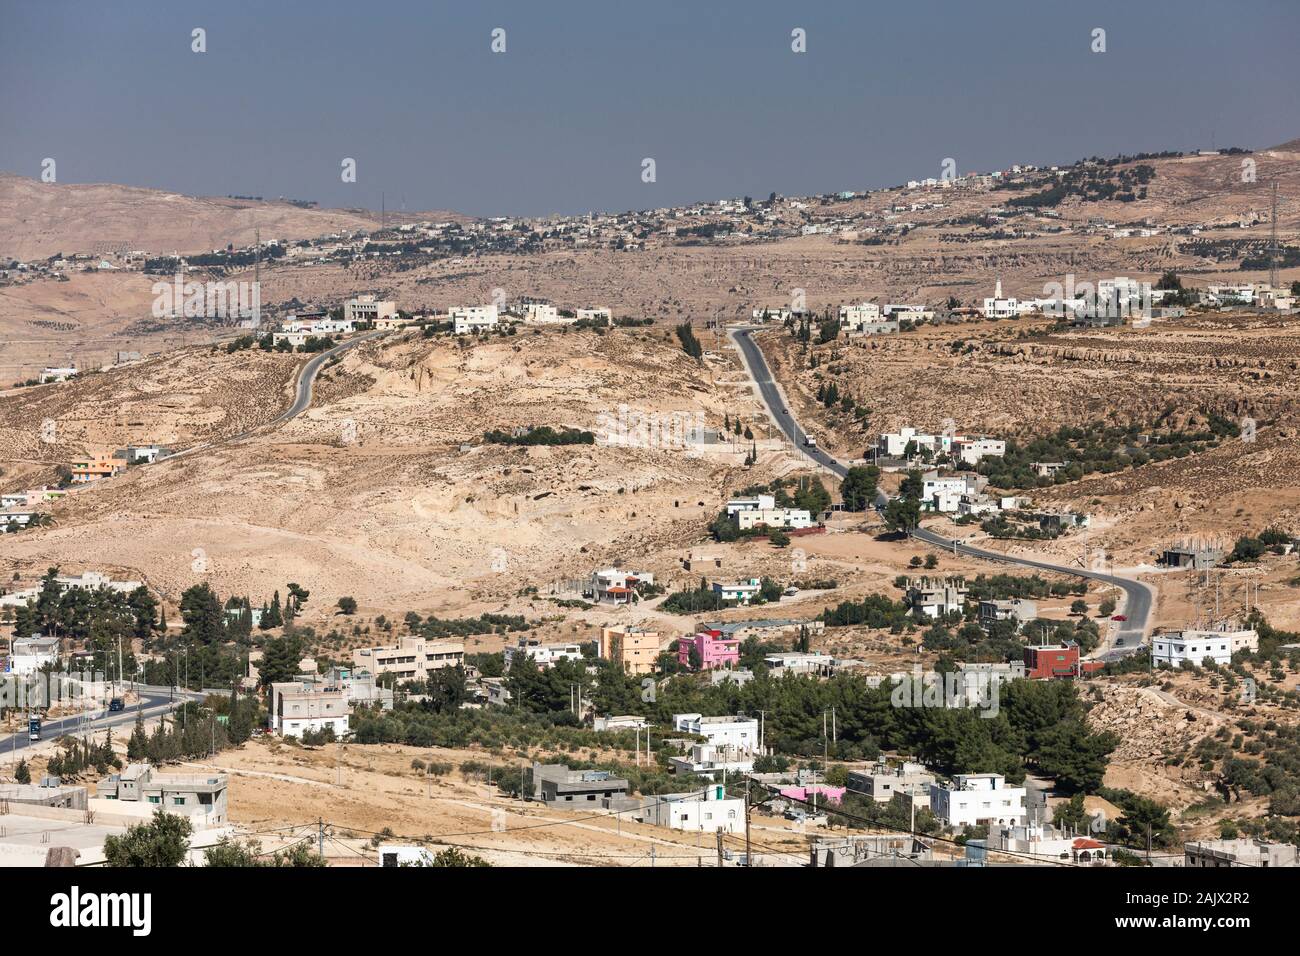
(178, 801)
(155, 799)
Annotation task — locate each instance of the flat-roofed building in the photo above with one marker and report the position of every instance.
(86, 470)
(634, 649)
(366, 308)
(1242, 852)
(543, 655)
(200, 797)
(1194, 645)
(977, 798)
(737, 733)
(299, 707)
(935, 597)
(773, 518)
(27, 655)
(881, 782)
(559, 786)
(1017, 609)
(709, 810)
(411, 658)
(473, 318)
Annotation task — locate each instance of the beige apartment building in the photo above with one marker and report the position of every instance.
(633, 648)
(411, 658)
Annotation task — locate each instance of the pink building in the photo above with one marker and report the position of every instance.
(715, 650)
(825, 792)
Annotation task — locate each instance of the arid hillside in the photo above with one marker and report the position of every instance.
(1019, 380)
(385, 489)
(41, 219)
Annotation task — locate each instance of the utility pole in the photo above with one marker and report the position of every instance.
(1272, 245)
(825, 750)
(320, 836)
(748, 857)
(719, 836)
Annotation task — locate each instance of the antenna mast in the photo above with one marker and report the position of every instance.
(1272, 245)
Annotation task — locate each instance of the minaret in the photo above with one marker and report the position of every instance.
(997, 290)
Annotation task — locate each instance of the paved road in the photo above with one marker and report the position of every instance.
(307, 377)
(1138, 597)
(756, 365)
(302, 394)
(154, 702)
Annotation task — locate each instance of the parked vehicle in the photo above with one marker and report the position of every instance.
(809, 441)
(116, 704)
(34, 728)
(1119, 617)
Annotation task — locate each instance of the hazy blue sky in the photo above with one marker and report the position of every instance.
(585, 90)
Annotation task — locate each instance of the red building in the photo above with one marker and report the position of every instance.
(1052, 661)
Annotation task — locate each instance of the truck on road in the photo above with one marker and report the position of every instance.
(34, 728)
(809, 441)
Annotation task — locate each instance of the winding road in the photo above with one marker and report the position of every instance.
(307, 378)
(302, 394)
(1139, 597)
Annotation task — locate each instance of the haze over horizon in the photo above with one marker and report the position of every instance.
(561, 121)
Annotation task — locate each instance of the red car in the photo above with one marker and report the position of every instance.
(1119, 617)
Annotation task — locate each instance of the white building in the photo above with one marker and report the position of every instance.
(894, 444)
(473, 318)
(977, 798)
(1194, 646)
(742, 592)
(733, 733)
(27, 655)
(706, 760)
(1046, 842)
(595, 315)
(773, 518)
(998, 307)
(971, 450)
(295, 339)
(617, 587)
(756, 503)
(93, 580)
(709, 810)
(1239, 294)
(907, 313)
(795, 662)
(317, 326)
(299, 707)
(856, 316)
(943, 492)
(394, 855)
(59, 374)
(977, 505)
(543, 313)
(543, 655)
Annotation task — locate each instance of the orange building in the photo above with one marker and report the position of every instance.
(92, 469)
(632, 648)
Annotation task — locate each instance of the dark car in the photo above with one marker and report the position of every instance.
(116, 704)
